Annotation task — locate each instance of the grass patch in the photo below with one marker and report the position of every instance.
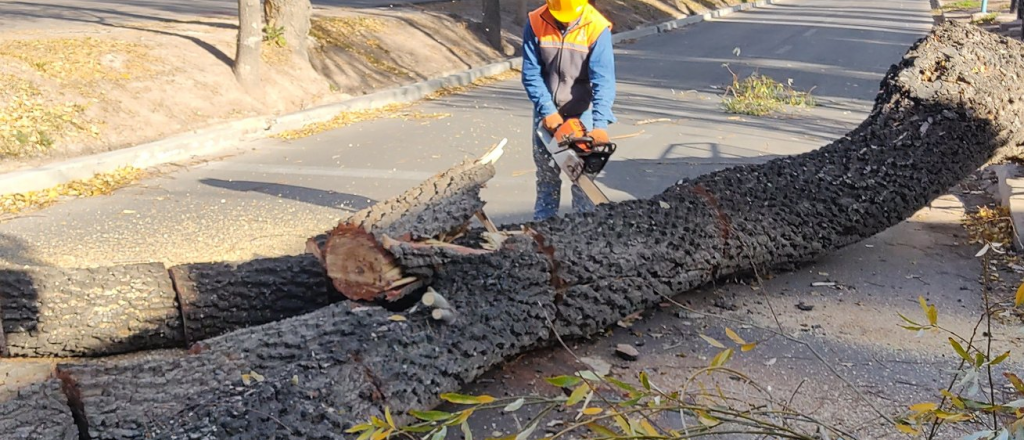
(760, 95)
(961, 5)
(100, 184)
(30, 124)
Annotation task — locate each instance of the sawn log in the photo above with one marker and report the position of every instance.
(61, 312)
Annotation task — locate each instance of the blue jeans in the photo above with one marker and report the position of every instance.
(549, 177)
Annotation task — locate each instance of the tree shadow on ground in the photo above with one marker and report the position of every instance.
(318, 197)
(100, 17)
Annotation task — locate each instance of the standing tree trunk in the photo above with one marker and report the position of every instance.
(492, 23)
(522, 12)
(293, 19)
(247, 53)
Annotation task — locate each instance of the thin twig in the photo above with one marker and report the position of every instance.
(949, 389)
(793, 396)
(988, 348)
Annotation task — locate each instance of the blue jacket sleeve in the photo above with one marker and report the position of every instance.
(602, 79)
(533, 79)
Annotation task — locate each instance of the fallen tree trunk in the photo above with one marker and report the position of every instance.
(60, 312)
(950, 105)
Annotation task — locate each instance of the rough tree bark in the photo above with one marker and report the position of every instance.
(492, 23)
(247, 51)
(59, 312)
(946, 108)
(293, 16)
(37, 411)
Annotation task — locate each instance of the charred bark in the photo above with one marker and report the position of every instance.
(37, 411)
(120, 309)
(947, 108)
(86, 312)
(217, 298)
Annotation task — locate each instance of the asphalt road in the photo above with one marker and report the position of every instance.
(269, 200)
(57, 14)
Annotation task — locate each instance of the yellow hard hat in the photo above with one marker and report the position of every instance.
(566, 11)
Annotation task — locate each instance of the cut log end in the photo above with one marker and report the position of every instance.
(433, 299)
(446, 316)
(358, 265)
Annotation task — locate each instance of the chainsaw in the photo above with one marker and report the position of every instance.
(577, 156)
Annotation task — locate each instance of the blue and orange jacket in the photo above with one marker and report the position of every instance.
(570, 71)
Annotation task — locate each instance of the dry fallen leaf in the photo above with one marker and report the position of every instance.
(628, 321)
(396, 318)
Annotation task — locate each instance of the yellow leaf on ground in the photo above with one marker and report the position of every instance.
(924, 407)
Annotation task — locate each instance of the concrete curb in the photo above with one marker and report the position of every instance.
(227, 138)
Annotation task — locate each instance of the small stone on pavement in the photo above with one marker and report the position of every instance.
(627, 352)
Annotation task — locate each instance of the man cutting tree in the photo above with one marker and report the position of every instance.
(568, 73)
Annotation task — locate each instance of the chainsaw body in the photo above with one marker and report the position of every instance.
(577, 156)
(572, 134)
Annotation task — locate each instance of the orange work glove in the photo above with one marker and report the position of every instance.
(600, 136)
(552, 122)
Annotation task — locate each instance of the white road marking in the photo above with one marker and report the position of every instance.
(810, 32)
(784, 49)
(362, 173)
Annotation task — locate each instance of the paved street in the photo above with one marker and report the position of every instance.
(268, 201)
(58, 14)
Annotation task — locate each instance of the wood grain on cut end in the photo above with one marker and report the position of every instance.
(360, 268)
